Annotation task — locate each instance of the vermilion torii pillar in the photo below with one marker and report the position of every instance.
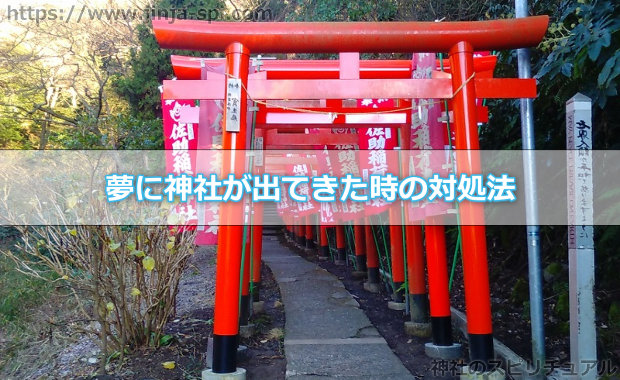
(372, 260)
(439, 294)
(341, 245)
(416, 276)
(460, 38)
(398, 260)
(360, 249)
(471, 214)
(309, 233)
(230, 237)
(323, 243)
(300, 230)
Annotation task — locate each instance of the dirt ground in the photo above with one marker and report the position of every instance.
(190, 329)
(71, 357)
(264, 358)
(510, 321)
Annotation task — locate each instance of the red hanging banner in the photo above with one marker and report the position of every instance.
(373, 157)
(180, 142)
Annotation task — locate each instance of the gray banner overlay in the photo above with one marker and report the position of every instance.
(69, 187)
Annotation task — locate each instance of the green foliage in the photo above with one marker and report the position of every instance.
(579, 46)
(120, 131)
(520, 291)
(130, 297)
(150, 64)
(613, 315)
(20, 325)
(12, 134)
(368, 10)
(525, 312)
(20, 89)
(579, 54)
(562, 306)
(607, 256)
(552, 270)
(607, 262)
(261, 320)
(165, 340)
(8, 233)
(608, 335)
(18, 292)
(335, 10)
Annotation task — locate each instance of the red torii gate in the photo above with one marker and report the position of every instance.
(459, 38)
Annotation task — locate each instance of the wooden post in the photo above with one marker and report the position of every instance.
(580, 236)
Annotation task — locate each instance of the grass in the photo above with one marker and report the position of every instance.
(20, 295)
(18, 292)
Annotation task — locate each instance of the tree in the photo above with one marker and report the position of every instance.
(55, 81)
(579, 54)
(149, 65)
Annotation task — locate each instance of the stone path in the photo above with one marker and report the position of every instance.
(327, 335)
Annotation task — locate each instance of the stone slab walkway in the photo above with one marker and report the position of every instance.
(327, 335)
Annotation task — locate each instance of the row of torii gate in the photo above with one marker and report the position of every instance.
(328, 86)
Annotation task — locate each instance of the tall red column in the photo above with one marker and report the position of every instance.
(341, 245)
(372, 261)
(294, 230)
(418, 300)
(439, 293)
(230, 237)
(471, 214)
(309, 232)
(396, 253)
(300, 232)
(323, 243)
(293, 234)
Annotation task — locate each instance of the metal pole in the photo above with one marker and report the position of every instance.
(531, 208)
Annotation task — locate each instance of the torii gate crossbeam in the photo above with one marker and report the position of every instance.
(461, 39)
(362, 37)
